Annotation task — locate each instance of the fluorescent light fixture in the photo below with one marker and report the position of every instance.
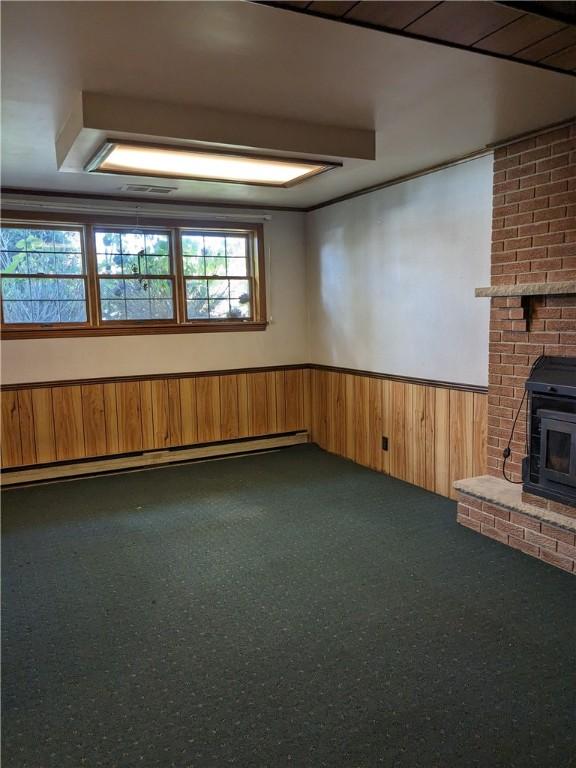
(176, 162)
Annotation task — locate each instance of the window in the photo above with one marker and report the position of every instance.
(43, 276)
(216, 276)
(135, 275)
(90, 278)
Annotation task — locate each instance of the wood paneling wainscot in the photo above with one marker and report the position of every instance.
(436, 434)
(47, 423)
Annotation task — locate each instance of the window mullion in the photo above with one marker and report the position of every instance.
(253, 277)
(179, 281)
(258, 267)
(93, 293)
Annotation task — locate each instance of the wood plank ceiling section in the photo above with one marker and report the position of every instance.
(537, 33)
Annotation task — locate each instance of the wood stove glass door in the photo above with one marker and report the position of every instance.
(558, 449)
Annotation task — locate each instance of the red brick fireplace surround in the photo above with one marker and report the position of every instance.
(533, 254)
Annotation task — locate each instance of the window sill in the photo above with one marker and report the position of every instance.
(12, 334)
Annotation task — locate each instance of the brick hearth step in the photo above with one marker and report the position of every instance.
(495, 508)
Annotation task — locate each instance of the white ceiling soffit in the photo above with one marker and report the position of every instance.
(96, 117)
(427, 103)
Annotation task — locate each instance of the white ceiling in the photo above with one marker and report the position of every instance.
(428, 103)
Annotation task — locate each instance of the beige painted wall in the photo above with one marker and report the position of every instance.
(391, 277)
(383, 282)
(284, 341)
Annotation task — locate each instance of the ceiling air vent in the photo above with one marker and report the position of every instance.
(154, 189)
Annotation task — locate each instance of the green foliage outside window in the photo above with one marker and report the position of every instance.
(43, 276)
(28, 259)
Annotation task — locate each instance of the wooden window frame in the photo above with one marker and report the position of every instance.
(171, 276)
(95, 326)
(19, 327)
(251, 272)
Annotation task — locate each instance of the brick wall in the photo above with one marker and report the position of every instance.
(533, 240)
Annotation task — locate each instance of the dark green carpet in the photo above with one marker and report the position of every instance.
(287, 609)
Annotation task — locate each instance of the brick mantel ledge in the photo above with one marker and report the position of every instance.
(499, 492)
(565, 288)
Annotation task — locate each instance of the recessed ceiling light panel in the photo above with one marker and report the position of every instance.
(133, 159)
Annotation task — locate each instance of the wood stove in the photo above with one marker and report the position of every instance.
(549, 469)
